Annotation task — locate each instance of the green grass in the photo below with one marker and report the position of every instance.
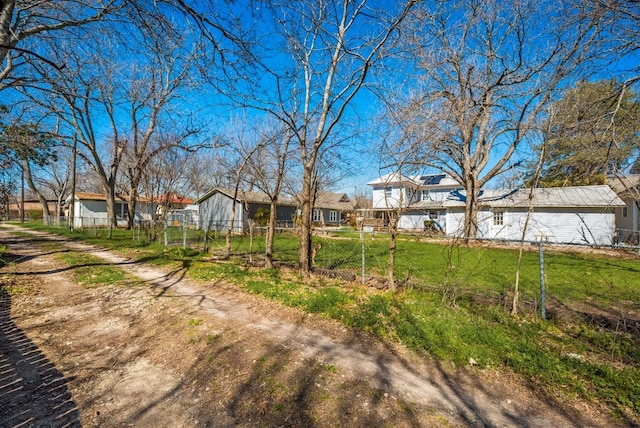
(576, 354)
(90, 271)
(3, 253)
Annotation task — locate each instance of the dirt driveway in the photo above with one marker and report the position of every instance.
(171, 352)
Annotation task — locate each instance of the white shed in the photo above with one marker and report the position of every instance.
(572, 215)
(90, 210)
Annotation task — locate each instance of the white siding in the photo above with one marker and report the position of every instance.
(406, 195)
(455, 223)
(414, 220)
(591, 226)
(91, 213)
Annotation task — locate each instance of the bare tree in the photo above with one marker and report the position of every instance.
(487, 70)
(267, 171)
(56, 177)
(397, 157)
(318, 58)
(25, 20)
(202, 173)
(162, 73)
(116, 103)
(243, 144)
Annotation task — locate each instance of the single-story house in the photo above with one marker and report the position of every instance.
(628, 216)
(90, 209)
(579, 215)
(330, 209)
(32, 209)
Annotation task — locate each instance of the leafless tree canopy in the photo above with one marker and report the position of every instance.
(486, 71)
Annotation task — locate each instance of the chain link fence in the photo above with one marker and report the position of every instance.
(422, 262)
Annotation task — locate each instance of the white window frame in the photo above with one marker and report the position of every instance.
(426, 193)
(317, 215)
(498, 218)
(388, 192)
(333, 216)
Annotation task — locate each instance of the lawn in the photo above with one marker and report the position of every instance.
(453, 304)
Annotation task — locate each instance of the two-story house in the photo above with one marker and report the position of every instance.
(436, 203)
(420, 199)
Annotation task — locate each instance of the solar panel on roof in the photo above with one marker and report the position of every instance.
(432, 179)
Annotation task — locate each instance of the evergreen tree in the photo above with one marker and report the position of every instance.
(592, 132)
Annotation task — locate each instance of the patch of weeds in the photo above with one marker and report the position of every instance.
(328, 300)
(180, 253)
(90, 271)
(194, 322)
(330, 368)
(211, 338)
(284, 292)
(207, 271)
(371, 315)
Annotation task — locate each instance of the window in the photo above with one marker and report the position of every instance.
(498, 218)
(333, 216)
(387, 192)
(317, 215)
(624, 212)
(433, 215)
(425, 195)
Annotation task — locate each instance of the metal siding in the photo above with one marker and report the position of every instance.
(216, 212)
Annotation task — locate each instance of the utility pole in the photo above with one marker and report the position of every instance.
(73, 184)
(22, 195)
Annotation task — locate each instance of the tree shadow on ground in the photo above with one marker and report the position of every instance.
(32, 391)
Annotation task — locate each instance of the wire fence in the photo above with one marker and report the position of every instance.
(479, 272)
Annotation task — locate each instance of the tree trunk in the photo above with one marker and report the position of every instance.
(393, 228)
(471, 210)
(110, 200)
(270, 235)
(43, 201)
(304, 252)
(131, 207)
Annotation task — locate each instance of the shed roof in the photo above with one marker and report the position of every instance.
(89, 196)
(246, 196)
(578, 196)
(326, 200)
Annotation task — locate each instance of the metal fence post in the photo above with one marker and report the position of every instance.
(184, 236)
(543, 311)
(363, 265)
(166, 242)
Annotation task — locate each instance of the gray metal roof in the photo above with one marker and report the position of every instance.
(557, 197)
(324, 200)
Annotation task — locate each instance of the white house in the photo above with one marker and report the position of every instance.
(584, 214)
(90, 210)
(628, 217)
(422, 197)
